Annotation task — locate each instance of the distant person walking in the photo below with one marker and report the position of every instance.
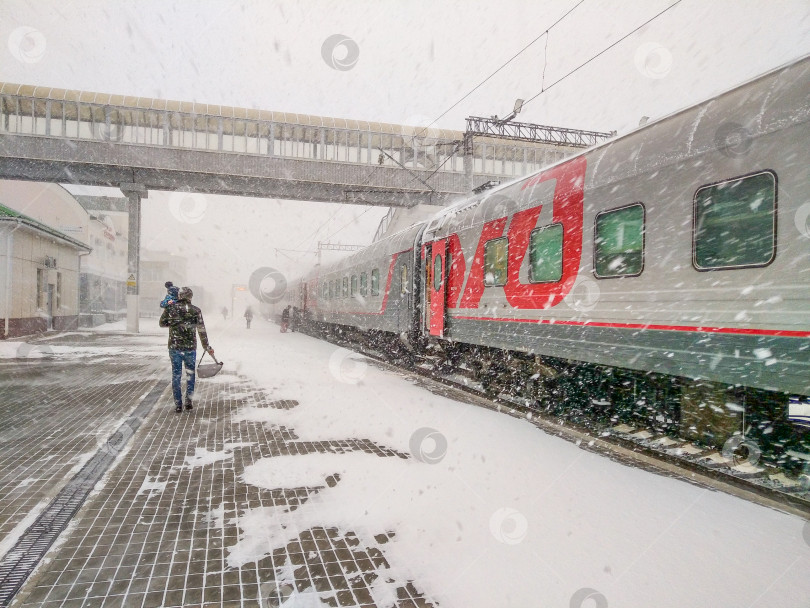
(295, 319)
(248, 316)
(285, 318)
(225, 313)
(184, 321)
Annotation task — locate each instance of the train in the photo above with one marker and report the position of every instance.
(661, 277)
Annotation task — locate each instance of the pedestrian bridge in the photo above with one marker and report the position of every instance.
(80, 137)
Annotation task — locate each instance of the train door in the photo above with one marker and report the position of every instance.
(437, 286)
(427, 281)
(403, 273)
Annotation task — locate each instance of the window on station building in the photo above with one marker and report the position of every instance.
(354, 285)
(325, 290)
(364, 284)
(618, 248)
(735, 223)
(496, 255)
(331, 289)
(375, 282)
(545, 254)
(345, 287)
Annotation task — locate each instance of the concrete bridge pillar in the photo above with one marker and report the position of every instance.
(134, 192)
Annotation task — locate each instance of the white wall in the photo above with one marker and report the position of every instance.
(28, 252)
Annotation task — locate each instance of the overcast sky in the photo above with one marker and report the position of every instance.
(416, 59)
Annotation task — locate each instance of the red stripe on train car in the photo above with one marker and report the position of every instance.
(697, 329)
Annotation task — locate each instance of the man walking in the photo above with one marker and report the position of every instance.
(184, 322)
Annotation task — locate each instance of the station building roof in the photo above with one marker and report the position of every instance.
(9, 215)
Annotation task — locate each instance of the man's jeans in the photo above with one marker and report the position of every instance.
(179, 357)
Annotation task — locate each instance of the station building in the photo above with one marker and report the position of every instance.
(41, 248)
(102, 283)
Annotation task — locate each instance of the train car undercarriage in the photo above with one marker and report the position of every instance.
(748, 424)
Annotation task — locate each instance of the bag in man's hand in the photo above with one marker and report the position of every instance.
(208, 370)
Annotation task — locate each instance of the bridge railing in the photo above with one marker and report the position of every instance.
(68, 119)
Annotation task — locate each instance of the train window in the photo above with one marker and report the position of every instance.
(618, 237)
(354, 285)
(345, 287)
(403, 280)
(735, 223)
(437, 272)
(363, 283)
(325, 290)
(375, 282)
(496, 254)
(545, 254)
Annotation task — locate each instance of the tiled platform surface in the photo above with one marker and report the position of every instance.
(55, 412)
(158, 529)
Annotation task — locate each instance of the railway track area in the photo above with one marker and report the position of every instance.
(738, 472)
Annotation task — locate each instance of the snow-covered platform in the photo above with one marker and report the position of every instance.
(308, 476)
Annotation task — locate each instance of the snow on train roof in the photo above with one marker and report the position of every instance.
(465, 204)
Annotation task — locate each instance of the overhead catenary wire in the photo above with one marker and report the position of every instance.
(507, 62)
(351, 221)
(314, 233)
(602, 52)
(323, 224)
(543, 88)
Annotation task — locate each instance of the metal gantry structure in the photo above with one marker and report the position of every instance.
(336, 247)
(495, 129)
(524, 131)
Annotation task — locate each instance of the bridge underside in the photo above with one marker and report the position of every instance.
(96, 163)
(100, 139)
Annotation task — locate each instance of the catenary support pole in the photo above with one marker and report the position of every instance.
(469, 162)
